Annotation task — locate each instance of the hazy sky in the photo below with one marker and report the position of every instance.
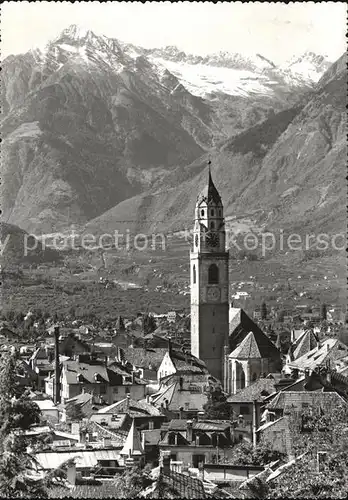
(277, 31)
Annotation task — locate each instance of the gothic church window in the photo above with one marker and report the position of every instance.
(202, 213)
(242, 379)
(213, 274)
(194, 274)
(212, 225)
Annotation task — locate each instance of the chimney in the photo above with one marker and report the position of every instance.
(166, 463)
(170, 346)
(189, 432)
(127, 401)
(57, 367)
(181, 413)
(254, 423)
(181, 383)
(226, 368)
(306, 374)
(148, 398)
(82, 436)
(133, 378)
(328, 376)
(71, 474)
(200, 416)
(107, 442)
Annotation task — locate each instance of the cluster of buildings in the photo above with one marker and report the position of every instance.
(111, 409)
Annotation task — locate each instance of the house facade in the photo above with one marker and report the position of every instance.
(196, 442)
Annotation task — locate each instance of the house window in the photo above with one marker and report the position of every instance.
(244, 410)
(115, 390)
(198, 461)
(213, 274)
(102, 388)
(173, 457)
(254, 377)
(172, 438)
(194, 274)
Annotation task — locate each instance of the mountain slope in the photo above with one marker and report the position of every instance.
(91, 122)
(86, 127)
(286, 171)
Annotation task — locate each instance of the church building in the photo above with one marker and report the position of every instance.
(233, 347)
(209, 281)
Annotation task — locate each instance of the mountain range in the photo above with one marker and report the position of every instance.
(97, 131)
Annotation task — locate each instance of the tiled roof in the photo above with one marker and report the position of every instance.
(84, 458)
(88, 371)
(288, 400)
(118, 437)
(176, 484)
(188, 400)
(248, 348)
(145, 358)
(305, 343)
(255, 391)
(81, 399)
(132, 407)
(240, 328)
(133, 443)
(206, 425)
(328, 350)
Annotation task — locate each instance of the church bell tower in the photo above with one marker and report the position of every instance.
(209, 281)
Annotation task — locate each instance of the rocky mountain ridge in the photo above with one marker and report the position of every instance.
(94, 126)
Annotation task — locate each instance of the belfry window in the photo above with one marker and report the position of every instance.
(202, 213)
(194, 274)
(213, 274)
(212, 212)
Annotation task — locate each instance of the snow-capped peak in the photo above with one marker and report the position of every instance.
(75, 32)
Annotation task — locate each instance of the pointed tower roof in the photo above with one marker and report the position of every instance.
(241, 326)
(305, 343)
(253, 346)
(248, 348)
(209, 192)
(133, 443)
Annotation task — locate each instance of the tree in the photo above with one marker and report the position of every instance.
(131, 482)
(217, 408)
(263, 311)
(74, 413)
(149, 324)
(262, 454)
(17, 414)
(323, 312)
(314, 431)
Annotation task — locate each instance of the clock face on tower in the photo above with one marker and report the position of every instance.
(213, 294)
(213, 240)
